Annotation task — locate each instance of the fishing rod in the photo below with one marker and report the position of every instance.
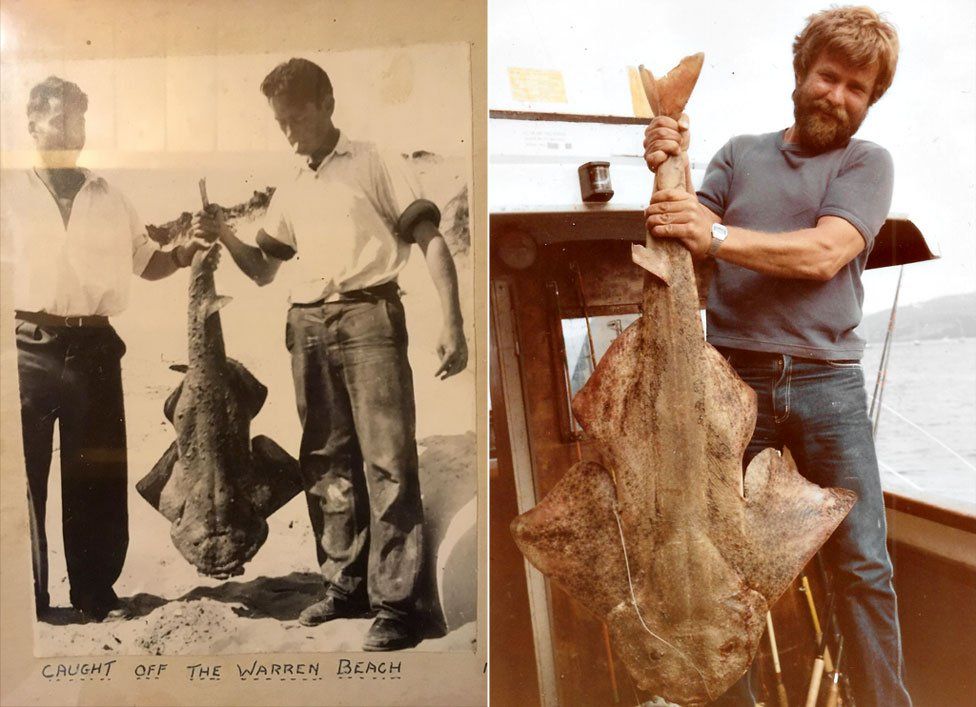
(586, 316)
(834, 694)
(780, 688)
(815, 620)
(879, 384)
(818, 664)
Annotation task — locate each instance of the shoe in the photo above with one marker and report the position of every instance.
(389, 634)
(332, 607)
(105, 614)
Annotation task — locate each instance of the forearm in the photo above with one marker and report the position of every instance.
(440, 264)
(250, 259)
(162, 263)
(806, 254)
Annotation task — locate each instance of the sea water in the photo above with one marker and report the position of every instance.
(926, 436)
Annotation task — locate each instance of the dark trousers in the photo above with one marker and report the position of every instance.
(73, 375)
(818, 410)
(354, 390)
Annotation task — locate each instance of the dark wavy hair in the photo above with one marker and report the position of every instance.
(72, 97)
(298, 81)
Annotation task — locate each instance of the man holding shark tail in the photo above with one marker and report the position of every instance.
(346, 223)
(790, 218)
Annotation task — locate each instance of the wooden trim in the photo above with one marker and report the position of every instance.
(566, 117)
(930, 511)
(505, 337)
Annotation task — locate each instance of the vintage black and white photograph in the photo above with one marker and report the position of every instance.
(243, 295)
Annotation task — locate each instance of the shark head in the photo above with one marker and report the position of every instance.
(219, 550)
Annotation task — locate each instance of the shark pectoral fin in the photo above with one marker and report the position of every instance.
(275, 478)
(572, 537)
(250, 391)
(169, 407)
(787, 519)
(152, 484)
(602, 405)
(653, 260)
(217, 304)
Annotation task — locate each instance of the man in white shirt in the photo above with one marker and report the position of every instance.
(76, 241)
(346, 223)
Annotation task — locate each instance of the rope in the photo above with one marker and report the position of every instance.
(633, 599)
(935, 439)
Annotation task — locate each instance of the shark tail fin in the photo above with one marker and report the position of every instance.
(653, 260)
(669, 94)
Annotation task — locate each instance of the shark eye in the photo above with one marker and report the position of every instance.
(655, 654)
(728, 647)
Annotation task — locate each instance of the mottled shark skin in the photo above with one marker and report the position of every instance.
(215, 484)
(659, 538)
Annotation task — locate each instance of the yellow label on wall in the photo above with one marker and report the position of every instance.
(642, 109)
(531, 85)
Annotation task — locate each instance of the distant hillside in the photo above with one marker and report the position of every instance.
(952, 316)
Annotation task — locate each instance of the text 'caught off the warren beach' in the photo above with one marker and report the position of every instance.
(256, 670)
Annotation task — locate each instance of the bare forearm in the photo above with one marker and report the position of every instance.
(806, 254)
(250, 259)
(164, 263)
(440, 264)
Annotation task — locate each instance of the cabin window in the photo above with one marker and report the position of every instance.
(577, 357)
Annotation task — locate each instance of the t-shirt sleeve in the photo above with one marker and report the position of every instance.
(399, 196)
(278, 224)
(861, 192)
(715, 187)
(143, 246)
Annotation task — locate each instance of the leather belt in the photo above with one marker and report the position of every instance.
(56, 320)
(745, 357)
(386, 290)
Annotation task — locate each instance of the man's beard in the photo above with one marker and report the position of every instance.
(820, 125)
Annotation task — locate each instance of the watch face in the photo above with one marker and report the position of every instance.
(719, 231)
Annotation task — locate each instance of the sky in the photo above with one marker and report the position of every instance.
(927, 120)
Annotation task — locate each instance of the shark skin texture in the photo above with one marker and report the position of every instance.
(662, 538)
(215, 484)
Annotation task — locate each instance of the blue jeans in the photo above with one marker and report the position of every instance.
(354, 390)
(818, 410)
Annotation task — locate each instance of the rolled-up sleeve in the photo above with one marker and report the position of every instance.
(143, 246)
(278, 224)
(400, 197)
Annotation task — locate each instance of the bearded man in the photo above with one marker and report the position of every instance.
(790, 218)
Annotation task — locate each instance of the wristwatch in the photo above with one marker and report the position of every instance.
(719, 234)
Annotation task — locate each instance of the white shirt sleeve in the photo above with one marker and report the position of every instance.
(277, 221)
(143, 246)
(399, 195)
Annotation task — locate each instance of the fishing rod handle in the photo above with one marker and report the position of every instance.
(814, 690)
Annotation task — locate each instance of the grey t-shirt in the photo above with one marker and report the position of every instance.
(762, 183)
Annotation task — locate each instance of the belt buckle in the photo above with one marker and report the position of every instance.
(69, 325)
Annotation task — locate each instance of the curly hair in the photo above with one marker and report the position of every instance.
(858, 35)
(70, 95)
(297, 81)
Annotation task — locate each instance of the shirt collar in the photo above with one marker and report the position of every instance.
(343, 146)
(90, 177)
